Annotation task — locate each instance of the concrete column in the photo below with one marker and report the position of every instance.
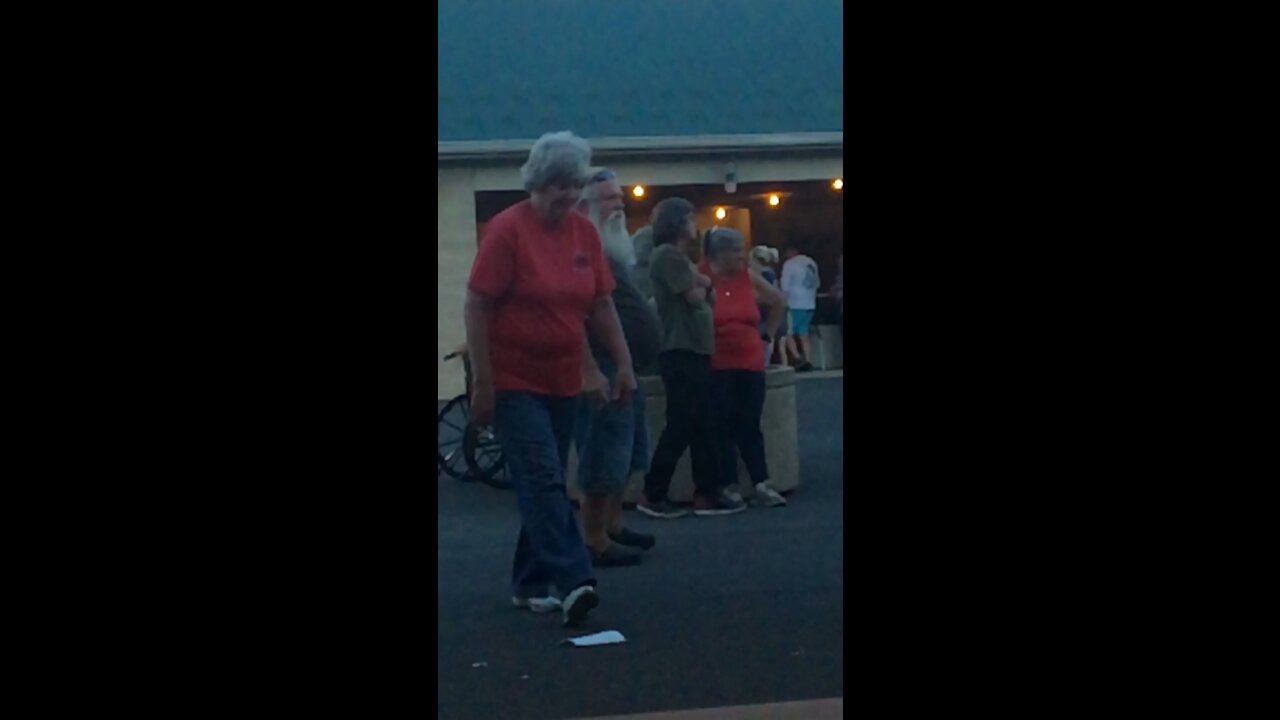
(828, 347)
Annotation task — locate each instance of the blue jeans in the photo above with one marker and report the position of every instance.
(534, 432)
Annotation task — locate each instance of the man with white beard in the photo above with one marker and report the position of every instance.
(602, 201)
(612, 439)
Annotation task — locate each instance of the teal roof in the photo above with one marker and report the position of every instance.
(515, 69)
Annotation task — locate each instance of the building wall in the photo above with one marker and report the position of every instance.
(456, 222)
(683, 172)
(456, 250)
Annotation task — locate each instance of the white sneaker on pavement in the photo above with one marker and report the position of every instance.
(767, 497)
(540, 605)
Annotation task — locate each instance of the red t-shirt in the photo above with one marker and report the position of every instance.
(737, 321)
(543, 281)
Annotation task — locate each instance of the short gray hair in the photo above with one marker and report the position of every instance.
(722, 239)
(556, 156)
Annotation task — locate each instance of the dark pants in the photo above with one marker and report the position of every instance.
(534, 431)
(737, 397)
(686, 377)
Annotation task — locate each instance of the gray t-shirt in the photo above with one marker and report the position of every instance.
(685, 326)
(643, 240)
(639, 322)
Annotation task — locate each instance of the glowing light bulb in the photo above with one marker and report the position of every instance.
(774, 200)
(720, 213)
(638, 191)
(838, 184)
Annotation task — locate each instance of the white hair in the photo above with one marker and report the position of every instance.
(556, 156)
(613, 229)
(616, 239)
(765, 254)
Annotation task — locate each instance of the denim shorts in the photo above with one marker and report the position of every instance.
(605, 438)
(800, 320)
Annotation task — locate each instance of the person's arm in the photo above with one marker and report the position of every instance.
(769, 295)
(491, 278)
(603, 323)
(680, 275)
(607, 328)
(476, 316)
(595, 386)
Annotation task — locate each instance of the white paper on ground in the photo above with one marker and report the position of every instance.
(608, 637)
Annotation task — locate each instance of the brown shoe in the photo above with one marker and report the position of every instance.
(615, 556)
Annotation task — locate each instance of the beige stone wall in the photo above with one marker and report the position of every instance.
(456, 223)
(456, 250)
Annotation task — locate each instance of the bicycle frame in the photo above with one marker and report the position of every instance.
(466, 366)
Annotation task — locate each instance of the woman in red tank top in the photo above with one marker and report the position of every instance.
(737, 367)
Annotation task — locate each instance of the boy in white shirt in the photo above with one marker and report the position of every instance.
(800, 281)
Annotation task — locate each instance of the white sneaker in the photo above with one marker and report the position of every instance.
(578, 603)
(734, 496)
(767, 497)
(540, 605)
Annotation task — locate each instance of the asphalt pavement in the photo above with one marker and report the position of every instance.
(729, 611)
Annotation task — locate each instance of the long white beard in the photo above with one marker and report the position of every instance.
(616, 239)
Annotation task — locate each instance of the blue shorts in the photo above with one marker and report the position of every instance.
(800, 320)
(605, 438)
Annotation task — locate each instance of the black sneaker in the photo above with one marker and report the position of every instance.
(659, 509)
(616, 556)
(721, 505)
(631, 538)
(578, 604)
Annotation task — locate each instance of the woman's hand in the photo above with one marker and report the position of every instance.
(595, 386)
(625, 387)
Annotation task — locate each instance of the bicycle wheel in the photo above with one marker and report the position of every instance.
(484, 457)
(451, 430)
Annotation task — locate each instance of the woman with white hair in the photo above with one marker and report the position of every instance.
(737, 367)
(539, 271)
